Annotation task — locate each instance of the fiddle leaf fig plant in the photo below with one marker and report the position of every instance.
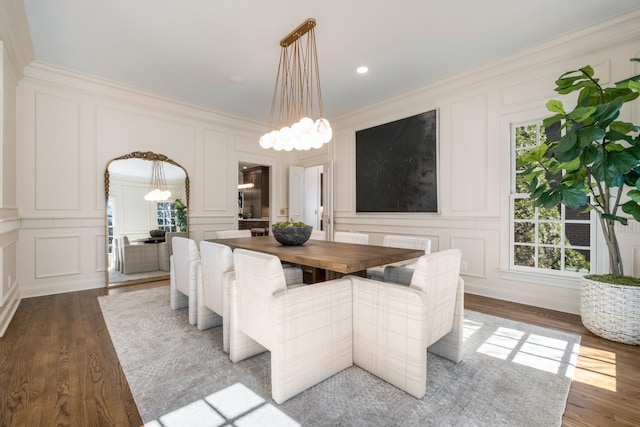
(181, 215)
(595, 161)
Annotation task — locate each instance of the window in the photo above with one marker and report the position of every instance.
(110, 219)
(166, 216)
(552, 240)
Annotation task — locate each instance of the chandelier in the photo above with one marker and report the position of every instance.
(157, 184)
(293, 122)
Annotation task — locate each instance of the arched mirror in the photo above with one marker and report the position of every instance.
(147, 199)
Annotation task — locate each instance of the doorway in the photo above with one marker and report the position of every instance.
(254, 196)
(311, 196)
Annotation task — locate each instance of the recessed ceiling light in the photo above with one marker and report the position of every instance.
(362, 70)
(236, 80)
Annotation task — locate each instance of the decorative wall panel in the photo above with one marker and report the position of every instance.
(100, 251)
(473, 255)
(468, 166)
(215, 165)
(7, 270)
(57, 256)
(57, 153)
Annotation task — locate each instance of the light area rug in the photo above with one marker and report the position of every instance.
(513, 374)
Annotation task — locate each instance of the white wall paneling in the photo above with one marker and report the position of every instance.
(122, 129)
(57, 256)
(344, 172)
(101, 252)
(15, 53)
(216, 170)
(57, 152)
(8, 196)
(97, 121)
(468, 162)
(8, 276)
(473, 255)
(476, 109)
(103, 120)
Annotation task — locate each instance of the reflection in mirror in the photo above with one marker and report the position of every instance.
(139, 231)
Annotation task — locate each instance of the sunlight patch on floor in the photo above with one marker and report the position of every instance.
(533, 350)
(235, 405)
(597, 368)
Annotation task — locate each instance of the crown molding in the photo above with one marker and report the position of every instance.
(14, 33)
(54, 76)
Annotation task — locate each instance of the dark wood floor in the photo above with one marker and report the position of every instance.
(58, 366)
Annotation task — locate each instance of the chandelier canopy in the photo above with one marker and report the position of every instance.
(293, 123)
(157, 184)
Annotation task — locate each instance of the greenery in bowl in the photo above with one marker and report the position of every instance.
(290, 224)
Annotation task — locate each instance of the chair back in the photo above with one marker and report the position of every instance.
(318, 235)
(215, 261)
(231, 234)
(348, 237)
(437, 276)
(258, 277)
(169, 235)
(408, 242)
(185, 256)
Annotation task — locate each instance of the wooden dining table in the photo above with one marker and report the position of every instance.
(325, 260)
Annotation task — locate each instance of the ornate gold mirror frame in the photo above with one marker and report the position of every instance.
(143, 155)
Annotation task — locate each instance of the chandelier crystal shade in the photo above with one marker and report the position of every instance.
(157, 184)
(297, 120)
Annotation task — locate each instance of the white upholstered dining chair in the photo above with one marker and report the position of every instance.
(407, 242)
(318, 235)
(348, 237)
(183, 276)
(394, 324)
(216, 269)
(216, 277)
(165, 249)
(307, 329)
(231, 234)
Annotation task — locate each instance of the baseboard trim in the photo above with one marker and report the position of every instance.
(564, 305)
(60, 288)
(7, 312)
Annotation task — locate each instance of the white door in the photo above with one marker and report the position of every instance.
(296, 194)
(323, 211)
(327, 199)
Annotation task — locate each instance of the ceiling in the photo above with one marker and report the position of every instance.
(194, 49)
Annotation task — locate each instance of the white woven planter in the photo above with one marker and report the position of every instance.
(611, 311)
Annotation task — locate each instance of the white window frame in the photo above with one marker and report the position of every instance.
(513, 196)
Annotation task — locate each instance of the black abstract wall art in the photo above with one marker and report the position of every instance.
(396, 165)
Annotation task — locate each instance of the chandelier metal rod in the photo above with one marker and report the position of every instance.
(298, 32)
(298, 77)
